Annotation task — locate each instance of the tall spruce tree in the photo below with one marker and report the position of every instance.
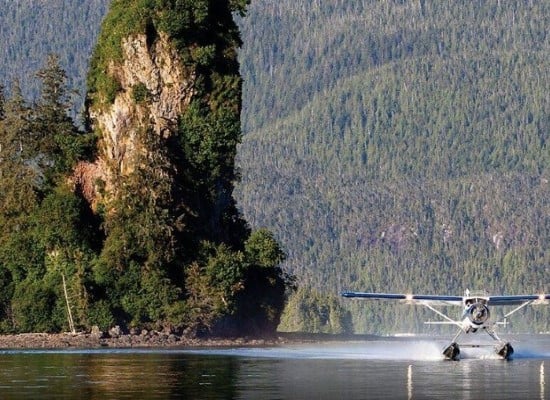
(2, 101)
(58, 142)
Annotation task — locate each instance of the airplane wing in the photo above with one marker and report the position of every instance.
(408, 298)
(451, 300)
(518, 300)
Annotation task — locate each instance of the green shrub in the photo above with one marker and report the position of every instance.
(100, 314)
(33, 307)
(140, 93)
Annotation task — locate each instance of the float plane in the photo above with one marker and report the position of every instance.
(476, 316)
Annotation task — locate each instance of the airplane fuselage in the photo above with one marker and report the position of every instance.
(476, 315)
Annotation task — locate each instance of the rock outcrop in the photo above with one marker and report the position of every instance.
(154, 87)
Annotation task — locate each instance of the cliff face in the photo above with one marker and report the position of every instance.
(153, 89)
(164, 101)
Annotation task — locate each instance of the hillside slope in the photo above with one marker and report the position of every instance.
(401, 145)
(30, 30)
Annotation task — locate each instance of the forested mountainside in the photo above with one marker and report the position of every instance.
(30, 30)
(132, 222)
(390, 145)
(399, 146)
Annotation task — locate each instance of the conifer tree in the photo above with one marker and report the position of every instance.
(58, 143)
(18, 177)
(2, 101)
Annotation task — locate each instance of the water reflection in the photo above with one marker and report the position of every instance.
(409, 383)
(99, 376)
(542, 383)
(359, 379)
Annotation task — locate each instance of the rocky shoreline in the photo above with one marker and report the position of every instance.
(152, 339)
(89, 341)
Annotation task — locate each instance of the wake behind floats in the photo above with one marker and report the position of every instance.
(476, 316)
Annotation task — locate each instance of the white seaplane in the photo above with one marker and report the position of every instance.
(476, 315)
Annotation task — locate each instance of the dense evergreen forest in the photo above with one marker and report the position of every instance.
(390, 146)
(400, 146)
(158, 244)
(30, 30)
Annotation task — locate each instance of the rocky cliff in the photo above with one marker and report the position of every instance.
(150, 63)
(153, 89)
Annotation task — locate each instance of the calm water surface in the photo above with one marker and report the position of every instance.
(381, 369)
